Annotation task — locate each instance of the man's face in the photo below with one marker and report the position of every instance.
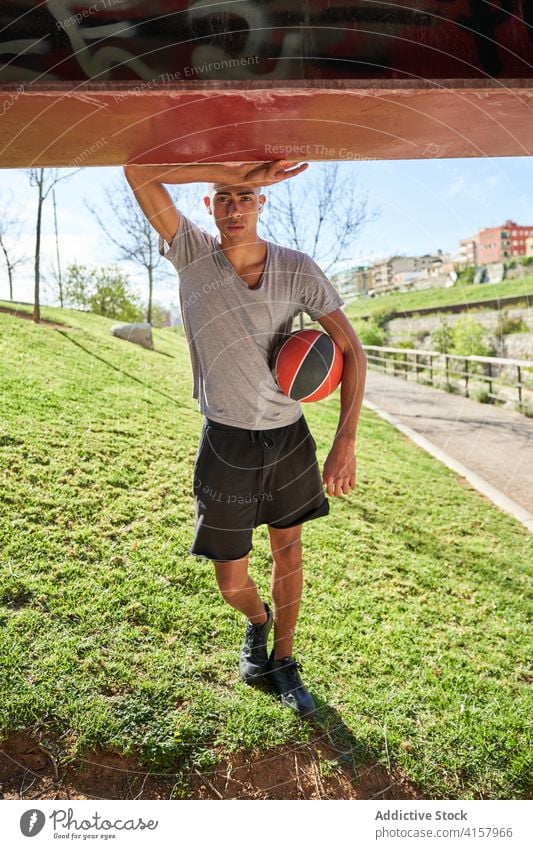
(235, 210)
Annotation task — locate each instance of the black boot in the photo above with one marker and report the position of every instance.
(254, 658)
(284, 676)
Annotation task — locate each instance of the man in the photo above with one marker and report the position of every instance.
(256, 461)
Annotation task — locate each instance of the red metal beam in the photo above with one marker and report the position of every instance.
(110, 124)
(107, 82)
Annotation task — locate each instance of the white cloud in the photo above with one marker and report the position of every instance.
(456, 188)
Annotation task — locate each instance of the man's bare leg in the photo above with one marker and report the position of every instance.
(239, 590)
(286, 585)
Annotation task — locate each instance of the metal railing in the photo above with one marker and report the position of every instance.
(431, 366)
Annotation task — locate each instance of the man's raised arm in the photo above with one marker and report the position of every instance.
(146, 182)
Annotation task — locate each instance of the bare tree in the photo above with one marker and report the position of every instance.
(58, 270)
(321, 213)
(132, 234)
(10, 229)
(44, 180)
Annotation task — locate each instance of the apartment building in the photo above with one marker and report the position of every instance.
(496, 244)
(468, 251)
(400, 272)
(353, 282)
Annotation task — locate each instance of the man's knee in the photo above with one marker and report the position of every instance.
(232, 577)
(288, 554)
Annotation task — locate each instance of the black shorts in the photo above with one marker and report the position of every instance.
(245, 478)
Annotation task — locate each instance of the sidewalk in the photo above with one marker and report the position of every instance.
(494, 443)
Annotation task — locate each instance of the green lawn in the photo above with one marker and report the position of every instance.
(439, 297)
(412, 630)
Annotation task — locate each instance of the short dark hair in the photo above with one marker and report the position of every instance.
(211, 188)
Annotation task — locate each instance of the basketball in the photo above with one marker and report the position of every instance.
(308, 365)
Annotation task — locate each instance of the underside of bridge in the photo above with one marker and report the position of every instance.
(170, 81)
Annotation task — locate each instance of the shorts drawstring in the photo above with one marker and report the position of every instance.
(265, 440)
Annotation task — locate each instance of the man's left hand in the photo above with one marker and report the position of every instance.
(339, 468)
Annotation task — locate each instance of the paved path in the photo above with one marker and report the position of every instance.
(494, 443)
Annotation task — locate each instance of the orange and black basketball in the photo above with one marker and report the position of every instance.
(308, 365)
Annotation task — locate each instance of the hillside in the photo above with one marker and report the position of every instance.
(412, 633)
(439, 297)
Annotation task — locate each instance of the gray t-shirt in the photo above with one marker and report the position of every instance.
(232, 330)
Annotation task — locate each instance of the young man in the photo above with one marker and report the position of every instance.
(256, 461)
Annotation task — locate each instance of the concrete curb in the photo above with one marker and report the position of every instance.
(498, 498)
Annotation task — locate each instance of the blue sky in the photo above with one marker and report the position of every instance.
(423, 205)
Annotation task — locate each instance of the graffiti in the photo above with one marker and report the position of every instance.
(131, 40)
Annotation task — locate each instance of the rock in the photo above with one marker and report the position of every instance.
(519, 346)
(140, 333)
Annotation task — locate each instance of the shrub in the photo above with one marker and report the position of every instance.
(466, 275)
(381, 315)
(482, 395)
(369, 332)
(524, 407)
(468, 336)
(406, 341)
(451, 387)
(511, 325)
(442, 337)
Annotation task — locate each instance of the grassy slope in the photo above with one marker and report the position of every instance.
(458, 294)
(413, 622)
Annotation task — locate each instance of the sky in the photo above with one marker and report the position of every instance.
(421, 206)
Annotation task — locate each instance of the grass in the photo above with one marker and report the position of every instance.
(413, 627)
(459, 294)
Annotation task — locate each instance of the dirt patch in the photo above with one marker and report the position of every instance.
(30, 769)
(28, 316)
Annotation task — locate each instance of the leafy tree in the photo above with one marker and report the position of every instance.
(442, 337)
(468, 337)
(104, 291)
(77, 286)
(159, 316)
(113, 299)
